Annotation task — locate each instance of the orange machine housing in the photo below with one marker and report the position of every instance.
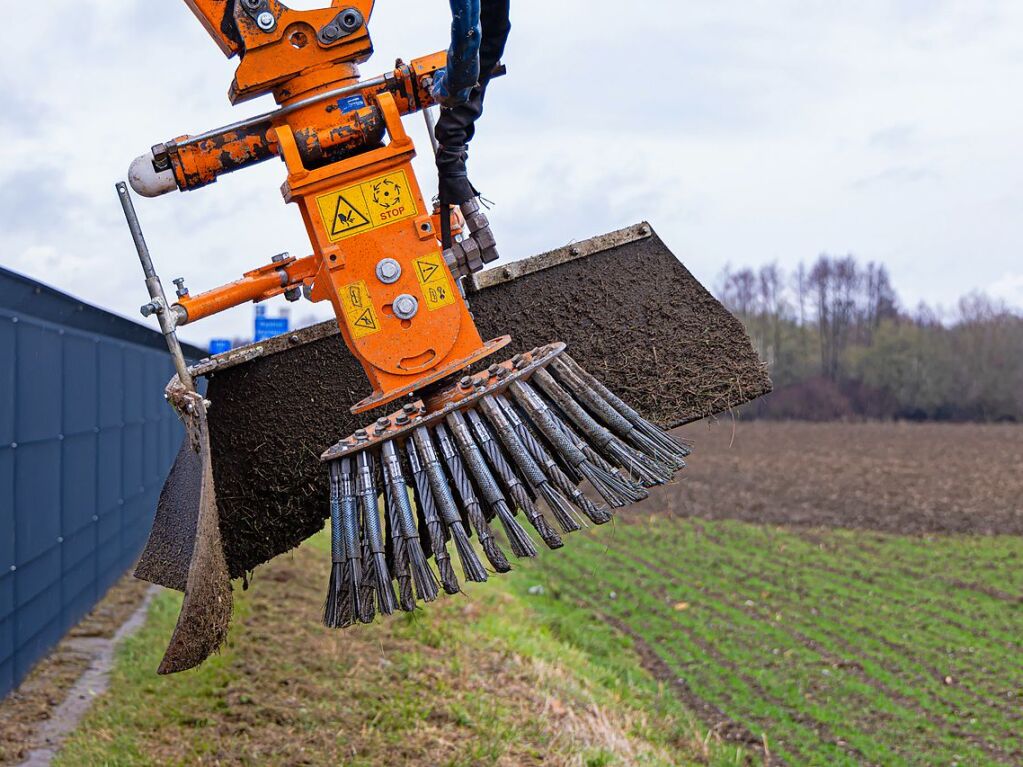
(349, 163)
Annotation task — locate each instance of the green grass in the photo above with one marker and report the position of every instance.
(832, 647)
(495, 678)
(840, 647)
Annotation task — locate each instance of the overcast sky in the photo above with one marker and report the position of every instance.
(745, 131)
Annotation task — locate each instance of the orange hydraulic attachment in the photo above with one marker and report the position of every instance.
(376, 251)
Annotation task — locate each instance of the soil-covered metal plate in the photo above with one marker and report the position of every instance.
(629, 311)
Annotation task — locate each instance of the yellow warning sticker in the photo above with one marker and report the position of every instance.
(362, 207)
(433, 279)
(362, 317)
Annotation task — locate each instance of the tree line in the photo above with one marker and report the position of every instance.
(839, 344)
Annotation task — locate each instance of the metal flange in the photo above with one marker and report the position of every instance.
(435, 407)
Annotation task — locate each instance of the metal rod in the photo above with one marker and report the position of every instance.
(269, 117)
(159, 304)
(431, 128)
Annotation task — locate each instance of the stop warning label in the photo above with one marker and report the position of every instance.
(359, 311)
(366, 206)
(433, 279)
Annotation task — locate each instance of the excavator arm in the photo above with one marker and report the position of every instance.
(217, 20)
(277, 44)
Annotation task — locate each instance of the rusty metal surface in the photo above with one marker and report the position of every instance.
(629, 311)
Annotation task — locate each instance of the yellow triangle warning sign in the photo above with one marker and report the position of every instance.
(359, 311)
(427, 270)
(433, 278)
(347, 217)
(367, 320)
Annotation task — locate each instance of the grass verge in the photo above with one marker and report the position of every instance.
(495, 678)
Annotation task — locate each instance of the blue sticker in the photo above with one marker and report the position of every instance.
(351, 103)
(219, 345)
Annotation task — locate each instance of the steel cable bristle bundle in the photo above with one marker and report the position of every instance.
(377, 578)
(657, 436)
(427, 506)
(399, 559)
(470, 502)
(535, 431)
(521, 545)
(615, 491)
(351, 572)
(472, 568)
(422, 575)
(332, 605)
(551, 468)
(516, 489)
(643, 468)
(531, 470)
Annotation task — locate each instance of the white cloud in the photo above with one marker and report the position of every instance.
(1008, 288)
(744, 131)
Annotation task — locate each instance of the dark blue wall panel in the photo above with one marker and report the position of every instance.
(86, 440)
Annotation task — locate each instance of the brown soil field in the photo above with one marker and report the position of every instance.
(891, 477)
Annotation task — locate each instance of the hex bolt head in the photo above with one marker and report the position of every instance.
(402, 419)
(405, 307)
(465, 383)
(266, 21)
(388, 271)
(330, 32)
(410, 408)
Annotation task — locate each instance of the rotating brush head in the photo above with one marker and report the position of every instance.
(534, 430)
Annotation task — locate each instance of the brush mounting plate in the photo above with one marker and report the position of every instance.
(434, 407)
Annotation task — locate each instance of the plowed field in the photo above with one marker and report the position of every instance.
(843, 594)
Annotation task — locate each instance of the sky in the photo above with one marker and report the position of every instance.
(744, 131)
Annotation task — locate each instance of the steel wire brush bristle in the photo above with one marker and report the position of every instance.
(536, 434)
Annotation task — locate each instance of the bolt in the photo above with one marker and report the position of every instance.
(405, 307)
(266, 21)
(147, 310)
(384, 422)
(182, 290)
(494, 369)
(465, 383)
(280, 257)
(410, 408)
(503, 372)
(402, 419)
(520, 363)
(388, 271)
(252, 4)
(361, 435)
(330, 32)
